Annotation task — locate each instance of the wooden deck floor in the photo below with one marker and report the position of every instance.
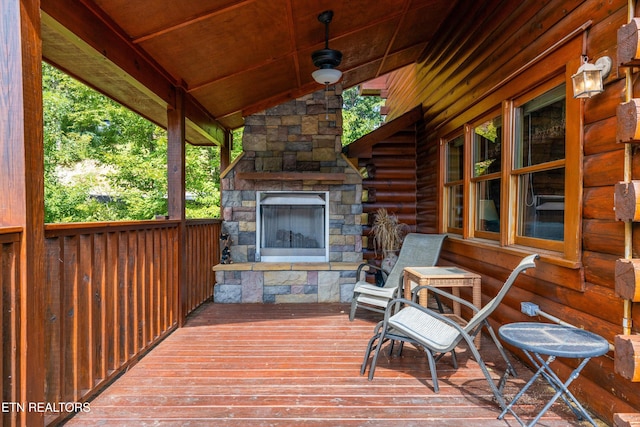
(298, 365)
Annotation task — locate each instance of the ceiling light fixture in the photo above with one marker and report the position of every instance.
(326, 59)
(587, 81)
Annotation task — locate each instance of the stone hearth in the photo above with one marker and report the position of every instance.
(295, 146)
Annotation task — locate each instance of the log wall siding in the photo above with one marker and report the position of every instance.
(393, 185)
(112, 294)
(453, 84)
(10, 327)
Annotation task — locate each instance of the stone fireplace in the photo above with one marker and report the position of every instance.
(291, 203)
(292, 226)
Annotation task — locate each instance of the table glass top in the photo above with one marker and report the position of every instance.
(554, 340)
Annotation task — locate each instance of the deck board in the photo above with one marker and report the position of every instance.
(299, 364)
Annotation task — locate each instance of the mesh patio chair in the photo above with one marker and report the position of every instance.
(438, 334)
(418, 250)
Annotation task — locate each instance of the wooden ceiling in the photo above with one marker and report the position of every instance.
(232, 57)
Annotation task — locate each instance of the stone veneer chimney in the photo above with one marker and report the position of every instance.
(295, 146)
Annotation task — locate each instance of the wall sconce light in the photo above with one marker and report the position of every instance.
(588, 80)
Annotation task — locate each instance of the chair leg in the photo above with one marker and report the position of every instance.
(354, 306)
(432, 368)
(367, 354)
(381, 339)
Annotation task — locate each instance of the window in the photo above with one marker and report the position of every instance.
(487, 155)
(454, 183)
(515, 183)
(539, 167)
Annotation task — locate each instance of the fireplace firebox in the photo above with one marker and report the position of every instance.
(292, 226)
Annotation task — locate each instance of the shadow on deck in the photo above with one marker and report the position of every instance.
(299, 364)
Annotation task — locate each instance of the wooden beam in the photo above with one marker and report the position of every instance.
(91, 49)
(176, 192)
(22, 189)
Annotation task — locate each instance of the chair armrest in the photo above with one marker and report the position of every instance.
(443, 293)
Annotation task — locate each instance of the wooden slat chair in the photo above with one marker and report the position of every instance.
(438, 334)
(418, 250)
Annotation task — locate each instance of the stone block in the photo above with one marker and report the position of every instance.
(273, 120)
(246, 238)
(247, 225)
(244, 215)
(294, 130)
(286, 109)
(299, 298)
(289, 161)
(324, 154)
(309, 125)
(277, 146)
(252, 286)
(288, 278)
(254, 119)
(227, 294)
(354, 229)
(328, 286)
(307, 166)
(346, 292)
(239, 253)
(305, 156)
(277, 290)
(272, 164)
(254, 142)
(293, 120)
(337, 240)
(299, 146)
(352, 256)
(317, 108)
(231, 198)
(310, 289)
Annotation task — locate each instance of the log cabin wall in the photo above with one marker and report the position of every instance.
(482, 60)
(387, 158)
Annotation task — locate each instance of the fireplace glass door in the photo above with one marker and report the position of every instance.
(292, 226)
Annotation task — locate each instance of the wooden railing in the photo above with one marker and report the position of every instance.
(202, 249)
(10, 238)
(112, 293)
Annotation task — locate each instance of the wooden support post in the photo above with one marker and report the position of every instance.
(22, 202)
(627, 357)
(176, 193)
(225, 150)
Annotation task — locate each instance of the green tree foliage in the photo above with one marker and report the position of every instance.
(360, 115)
(121, 159)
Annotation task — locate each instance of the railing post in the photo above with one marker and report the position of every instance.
(176, 193)
(22, 195)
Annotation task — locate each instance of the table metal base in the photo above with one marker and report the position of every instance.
(542, 340)
(561, 388)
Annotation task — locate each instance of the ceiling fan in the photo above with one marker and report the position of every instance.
(326, 59)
